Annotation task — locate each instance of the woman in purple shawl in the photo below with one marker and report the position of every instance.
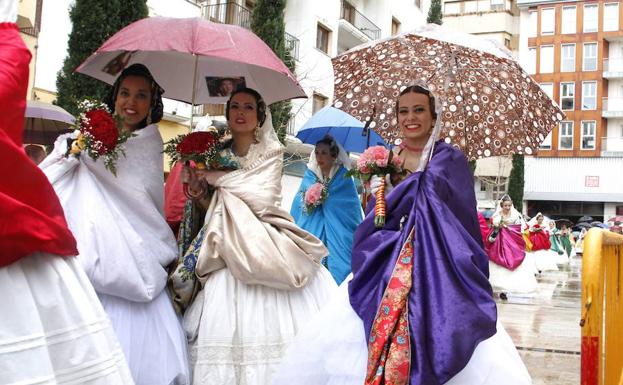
(419, 308)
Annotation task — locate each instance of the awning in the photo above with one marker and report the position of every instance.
(574, 179)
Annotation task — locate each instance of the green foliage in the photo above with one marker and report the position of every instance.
(267, 23)
(516, 181)
(435, 15)
(93, 21)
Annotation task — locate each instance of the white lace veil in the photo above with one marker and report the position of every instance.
(341, 160)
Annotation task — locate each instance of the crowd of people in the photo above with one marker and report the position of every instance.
(101, 289)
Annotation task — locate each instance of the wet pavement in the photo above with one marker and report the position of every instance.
(545, 325)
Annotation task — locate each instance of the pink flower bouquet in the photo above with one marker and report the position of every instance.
(378, 161)
(314, 196)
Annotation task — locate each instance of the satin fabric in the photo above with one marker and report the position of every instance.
(509, 248)
(450, 305)
(555, 241)
(334, 222)
(32, 218)
(484, 228)
(539, 238)
(250, 235)
(124, 241)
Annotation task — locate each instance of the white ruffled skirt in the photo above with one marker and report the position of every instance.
(521, 280)
(53, 329)
(152, 339)
(545, 260)
(238, 333)
(332, 350)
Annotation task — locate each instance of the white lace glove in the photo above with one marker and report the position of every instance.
(375, 184)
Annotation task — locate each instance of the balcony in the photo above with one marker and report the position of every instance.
(468, 7)
(612, 107)
(228, 13)
(612, 146)
(613, 68)
(355, 28)
(292, 45)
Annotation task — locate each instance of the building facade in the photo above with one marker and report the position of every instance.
(29, 23)
(574, 49)
(497, 20)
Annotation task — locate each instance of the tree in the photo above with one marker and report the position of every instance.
(516, 182)
(434, 13)
(267, 23)
(93, 21)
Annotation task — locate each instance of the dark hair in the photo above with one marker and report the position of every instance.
(328, 140)
(505, 198)
(419, 90)
(156, 107)
(261, 105)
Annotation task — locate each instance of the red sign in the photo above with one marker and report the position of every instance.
(591, 181)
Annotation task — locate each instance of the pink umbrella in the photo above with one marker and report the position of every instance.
(194, 60)
(44, 122)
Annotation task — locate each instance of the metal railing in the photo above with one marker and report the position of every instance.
(357, 19)
(292, 45)
(32, 31)
(228, 13)
(614, 104)
(602, 308)
(475, 6)
(198, 110)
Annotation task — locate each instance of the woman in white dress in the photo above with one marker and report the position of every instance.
(260, 275)
(53, 329)
(544, 258)
(123, 238)
(511, 269)
(419, 308)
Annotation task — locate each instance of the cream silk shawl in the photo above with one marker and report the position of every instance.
(248, 233)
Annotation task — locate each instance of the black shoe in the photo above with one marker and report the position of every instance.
(503, 297)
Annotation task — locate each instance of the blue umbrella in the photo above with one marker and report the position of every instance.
(346, 130)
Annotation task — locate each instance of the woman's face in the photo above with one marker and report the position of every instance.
(323, 156)
(506, 206)
(415, 117)
(133, 101)
(539, 219)
(242, 114)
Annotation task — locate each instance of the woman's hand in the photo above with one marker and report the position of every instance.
(375, 184)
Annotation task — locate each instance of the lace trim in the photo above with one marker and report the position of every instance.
(214, 353)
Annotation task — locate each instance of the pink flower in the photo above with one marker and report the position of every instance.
(313, 194)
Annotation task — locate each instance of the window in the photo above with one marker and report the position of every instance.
(548, 21)
(588, 134)
(547, 59)
(589, 95)
(418, 3)
(348, 12)
(507, 43)
(395, 26)
(547, 142)
(531, 61)
(611, 17)
(322, 38)
(590, 57)
(567, 58)
(548, 88)
(569, 20)
(532, 23)
(497, 5)
(452, 8)
(567, 96)
(590, 18)
(320, 101)
(566, 136)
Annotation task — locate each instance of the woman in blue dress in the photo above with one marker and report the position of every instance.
(335, 220)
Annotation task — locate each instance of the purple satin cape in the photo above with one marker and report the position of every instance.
(451, 308)
(509, 248)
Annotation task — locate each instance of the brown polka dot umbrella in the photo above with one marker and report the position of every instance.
(489, 105)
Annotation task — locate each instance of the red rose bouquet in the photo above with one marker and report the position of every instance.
(202, 148)
(98, 134)
(377, 160)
